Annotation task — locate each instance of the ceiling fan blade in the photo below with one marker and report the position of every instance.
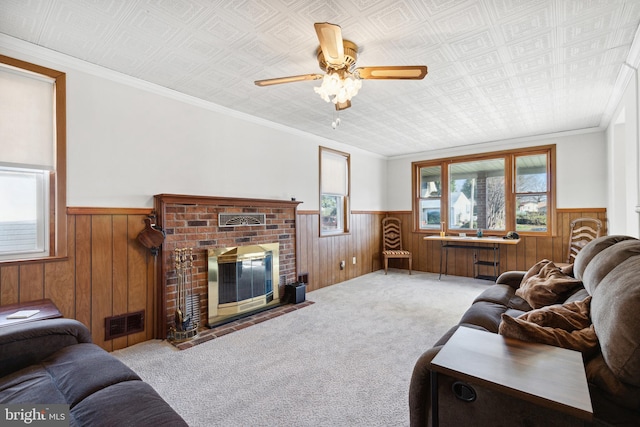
(343, 105)
(331, 43)
(289, 79)
(409, 72)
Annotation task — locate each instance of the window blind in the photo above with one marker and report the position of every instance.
(26, 119)
(334, 173)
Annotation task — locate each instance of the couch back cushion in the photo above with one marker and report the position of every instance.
(612, 278)
(593, 248)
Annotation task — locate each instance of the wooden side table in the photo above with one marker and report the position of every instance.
(48, 310)
(536, 384)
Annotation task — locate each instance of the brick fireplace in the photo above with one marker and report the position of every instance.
(192, 222)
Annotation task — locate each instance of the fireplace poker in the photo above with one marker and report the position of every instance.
(186, 321)
(178, 315)
(191, 286)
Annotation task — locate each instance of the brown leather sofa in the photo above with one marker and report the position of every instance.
(609, 268)
(53, 362)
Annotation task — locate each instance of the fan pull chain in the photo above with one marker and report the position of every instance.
(336, 120)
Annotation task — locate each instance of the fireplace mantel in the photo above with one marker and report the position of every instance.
(192, 221)
(182, 199)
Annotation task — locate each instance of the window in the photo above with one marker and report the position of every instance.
(531, 193)
(430, 194)
(495, 192)
(32, 161)
(477, 195)
(334, 191)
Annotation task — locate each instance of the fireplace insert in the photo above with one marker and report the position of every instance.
(242, 279)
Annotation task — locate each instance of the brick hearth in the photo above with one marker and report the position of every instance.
(192, 222)
(219, 331)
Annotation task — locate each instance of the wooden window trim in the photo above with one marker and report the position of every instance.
(58, 179)
(509, 157)
(346, 214)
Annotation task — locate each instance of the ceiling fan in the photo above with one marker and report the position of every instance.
(337, 58)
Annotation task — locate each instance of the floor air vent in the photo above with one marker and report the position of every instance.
(125, 324)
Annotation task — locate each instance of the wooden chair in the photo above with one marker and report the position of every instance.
(392, 242)
(581, 232)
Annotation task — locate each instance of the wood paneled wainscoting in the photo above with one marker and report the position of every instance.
(426, 255)
(106, 273)
(320, 257)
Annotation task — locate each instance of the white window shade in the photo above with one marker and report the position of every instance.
(26, 119)
(334, 173)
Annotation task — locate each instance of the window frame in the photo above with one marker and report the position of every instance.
(509, 157)
(344, 210)
(57, 190)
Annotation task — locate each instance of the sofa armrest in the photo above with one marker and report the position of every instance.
(27, 343)
(420, 389)
(511, 278)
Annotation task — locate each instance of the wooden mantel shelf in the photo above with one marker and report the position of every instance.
(185, 199)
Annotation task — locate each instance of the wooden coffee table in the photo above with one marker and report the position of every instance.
(47, 310)
(546, 378)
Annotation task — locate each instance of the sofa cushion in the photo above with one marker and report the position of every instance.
(129, 403)
(30, 385)
(80, 370)
(484, 314)
(545, 284)
(606, 260)
(615, 315)
(592, 249)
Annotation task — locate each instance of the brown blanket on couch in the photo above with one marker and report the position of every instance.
(567, 325)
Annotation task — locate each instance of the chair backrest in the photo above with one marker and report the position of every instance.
(391, 234)
(581, 232)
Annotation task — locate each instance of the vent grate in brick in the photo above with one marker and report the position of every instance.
(235, 220)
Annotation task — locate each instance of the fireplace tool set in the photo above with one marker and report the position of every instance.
(186, 318)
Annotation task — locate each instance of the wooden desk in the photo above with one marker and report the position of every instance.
(548, 378)
(473, 243)
(48, 310)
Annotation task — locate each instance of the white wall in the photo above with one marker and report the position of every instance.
(128, 140)
(581, 166)
(623, 165)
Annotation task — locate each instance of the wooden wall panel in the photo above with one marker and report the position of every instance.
(101, 276)
(9, 285)
(140, 289)
(83, 269)
(106, 273)
(31, 282)
(323, 254)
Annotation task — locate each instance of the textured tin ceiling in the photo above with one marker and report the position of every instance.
(498, 69)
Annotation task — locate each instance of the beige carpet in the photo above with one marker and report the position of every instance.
(344, 361)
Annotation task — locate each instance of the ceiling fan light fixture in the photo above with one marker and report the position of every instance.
(338, 86)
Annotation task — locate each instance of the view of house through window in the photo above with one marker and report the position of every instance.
(431, 191)
(531, 193)
(334, 191)
(499, 192)
(31, 145)
(476, 195)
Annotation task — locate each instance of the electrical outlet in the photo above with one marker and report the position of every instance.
(342, 265)
(354, 261)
